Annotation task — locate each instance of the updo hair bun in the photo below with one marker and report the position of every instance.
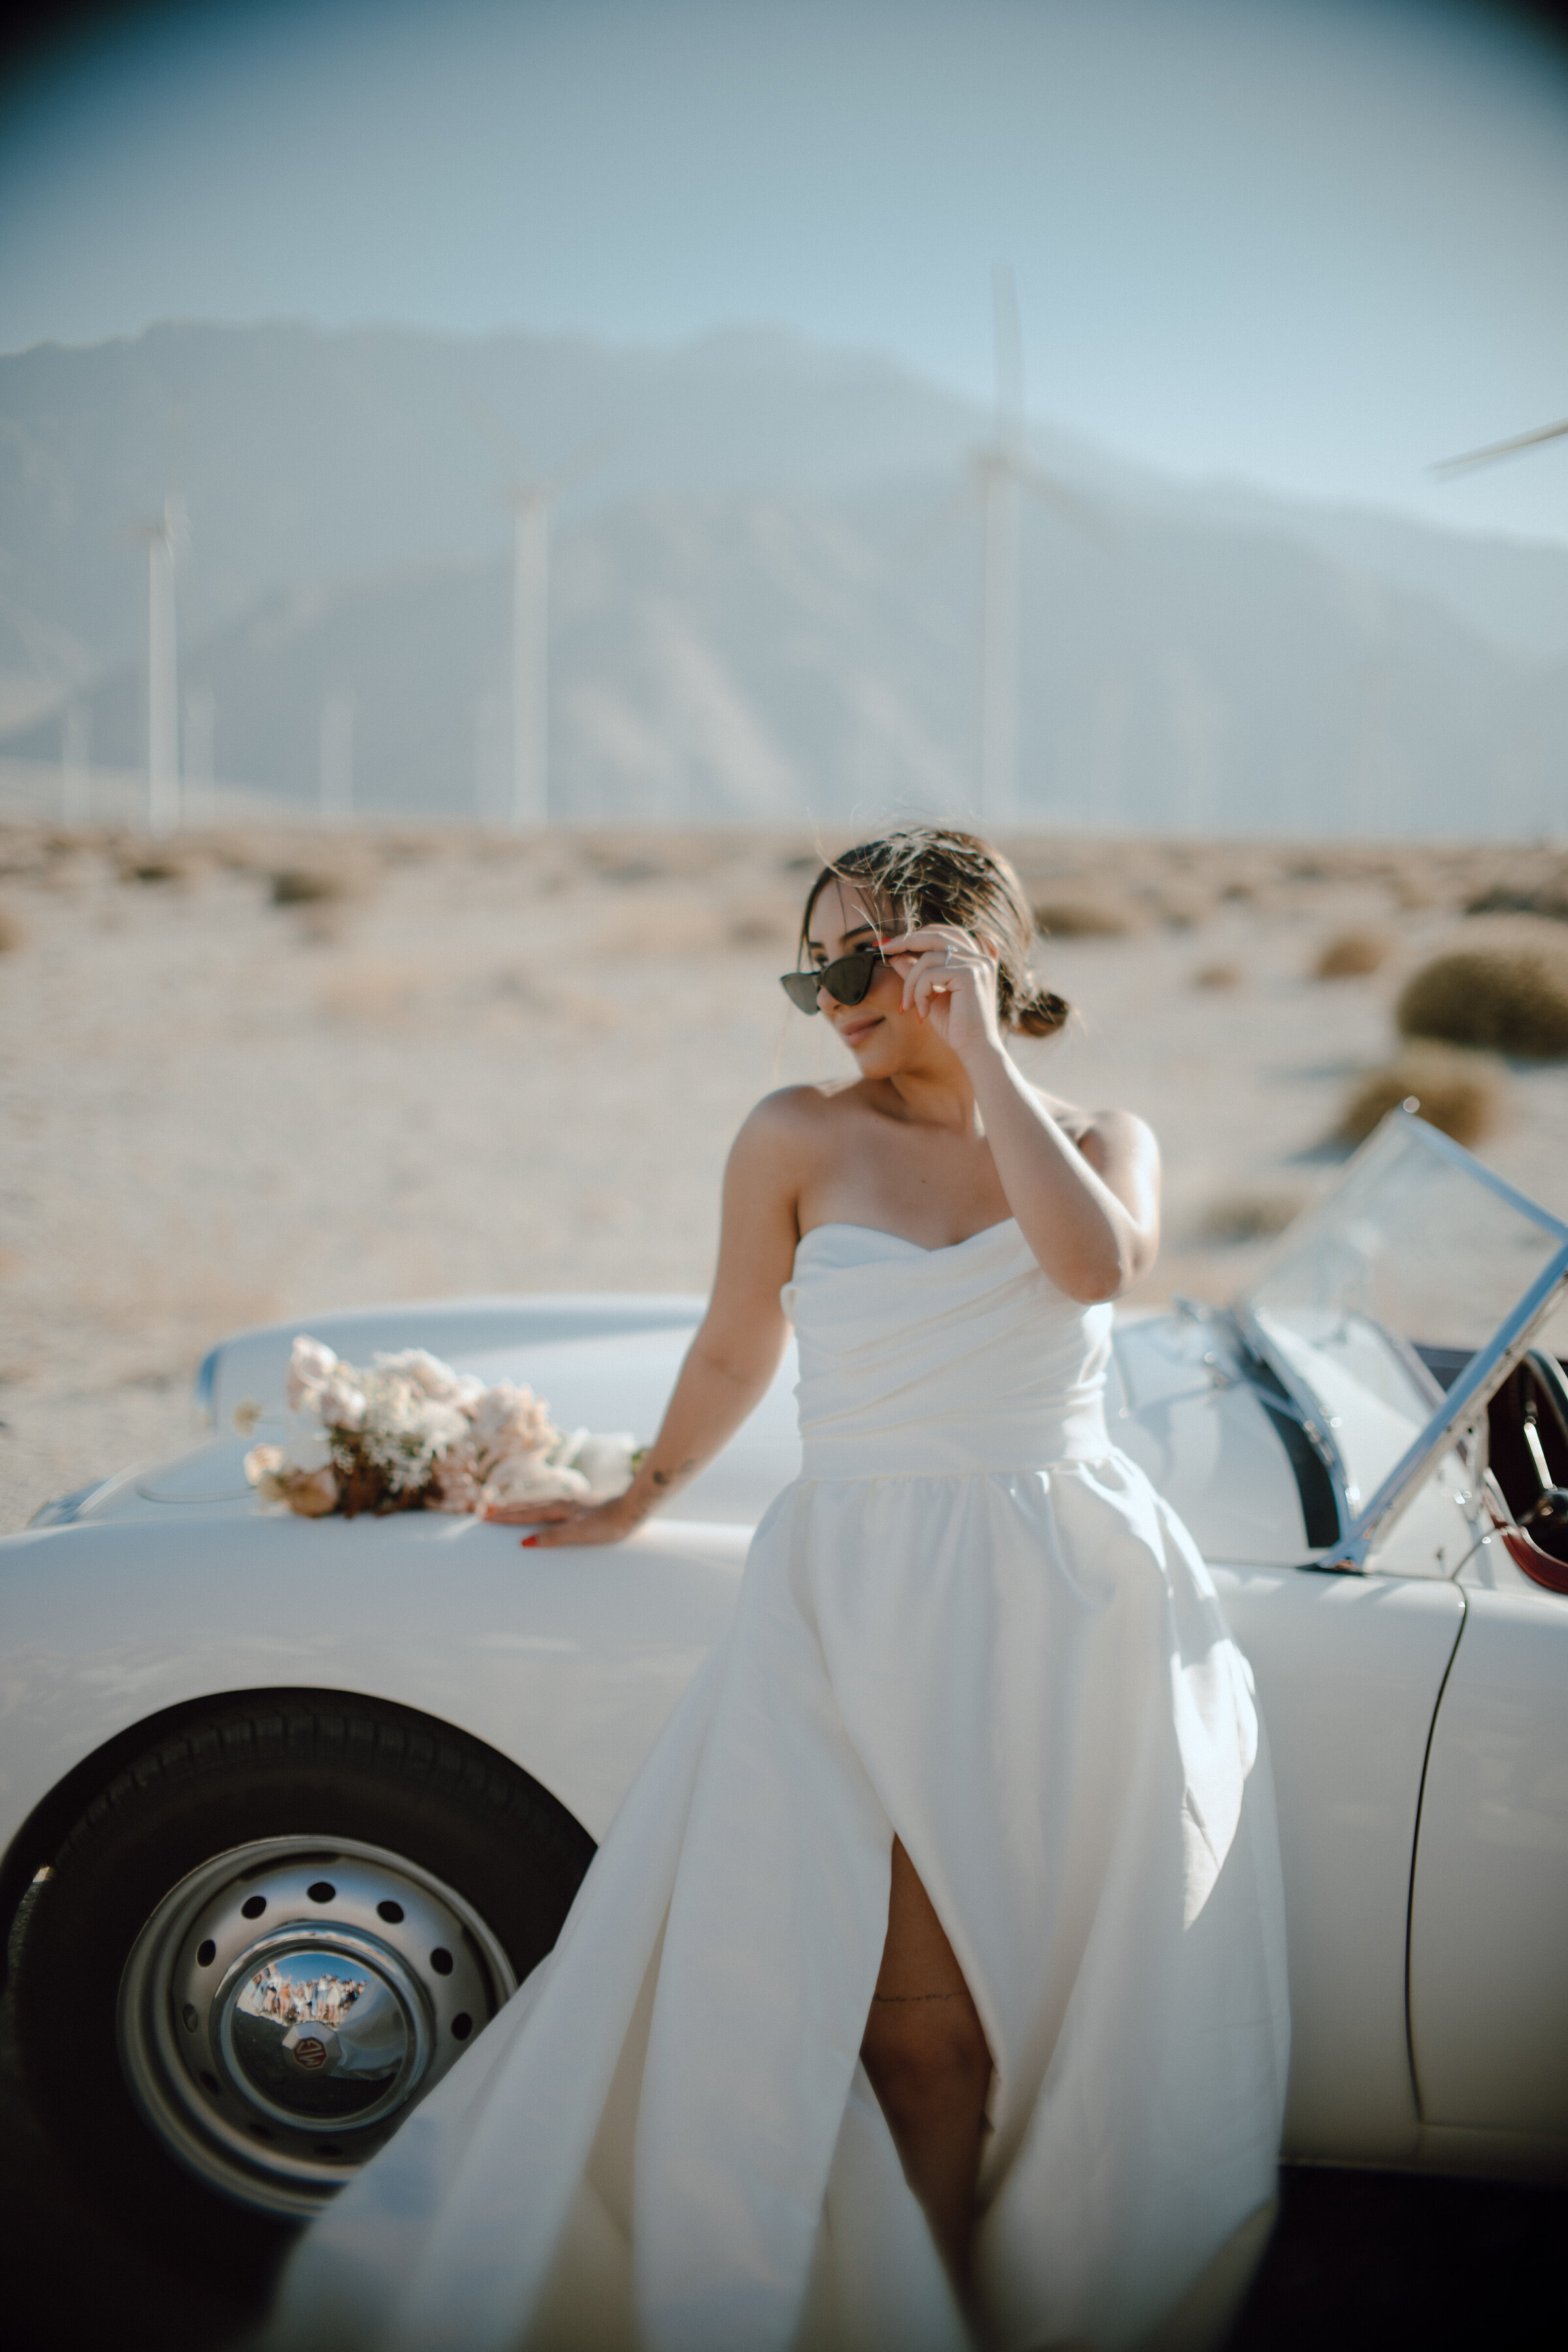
(1038, 1013)
(931, 874)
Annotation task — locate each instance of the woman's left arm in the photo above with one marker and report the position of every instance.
(1088, 1206)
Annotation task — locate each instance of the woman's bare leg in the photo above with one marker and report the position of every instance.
(926, 2054)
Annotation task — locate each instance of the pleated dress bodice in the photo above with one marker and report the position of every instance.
(943, 1362)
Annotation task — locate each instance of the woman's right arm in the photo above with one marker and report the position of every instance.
(736, 1350)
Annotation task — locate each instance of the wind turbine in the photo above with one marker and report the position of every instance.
(1002, 468)
(529, 503)
(165, 535)
(1500, 450)
(528, 497)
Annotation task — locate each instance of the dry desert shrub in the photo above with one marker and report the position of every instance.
(308, 886)
(1505, 999)
(1250, 1216)
(156, 866)
(1463, 1095)
(1178, 909)
(1351, 955)
(1218, 975)
(1086, 918)
(1547, 898)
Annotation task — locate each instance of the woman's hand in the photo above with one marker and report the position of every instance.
(949, 980)
(570, 1522)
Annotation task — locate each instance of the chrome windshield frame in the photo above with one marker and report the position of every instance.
(1472, 1390)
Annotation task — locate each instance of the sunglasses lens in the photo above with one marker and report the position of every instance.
(846, 981)
(801, 988)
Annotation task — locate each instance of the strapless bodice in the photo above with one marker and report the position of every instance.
(944, 1363)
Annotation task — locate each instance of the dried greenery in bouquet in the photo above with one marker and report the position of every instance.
(410, 1433)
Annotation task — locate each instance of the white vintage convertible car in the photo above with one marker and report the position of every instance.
(291, 1806)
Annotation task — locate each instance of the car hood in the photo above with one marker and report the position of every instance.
(1178, 1400)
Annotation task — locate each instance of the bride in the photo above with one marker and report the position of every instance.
(928, 1990)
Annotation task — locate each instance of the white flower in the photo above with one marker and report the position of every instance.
(530, 1479)
(311, 1367)
(308, 1446)
(432, 1378)
(606, 1463)
(340, 1404)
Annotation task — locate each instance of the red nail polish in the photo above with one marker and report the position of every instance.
(526, 1540)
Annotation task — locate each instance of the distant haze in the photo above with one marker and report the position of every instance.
(765, 596)
(1313, 245)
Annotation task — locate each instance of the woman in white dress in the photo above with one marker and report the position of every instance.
(928, 1990)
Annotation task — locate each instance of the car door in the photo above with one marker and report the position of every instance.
(1348, 1671)
(1489, 1915)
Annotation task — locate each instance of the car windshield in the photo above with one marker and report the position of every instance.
(1417, 1246)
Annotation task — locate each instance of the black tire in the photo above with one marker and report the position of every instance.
(298, 1765)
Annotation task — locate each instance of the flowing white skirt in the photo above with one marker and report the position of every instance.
(667, 2143)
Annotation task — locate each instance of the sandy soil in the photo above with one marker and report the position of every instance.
(492, 1065)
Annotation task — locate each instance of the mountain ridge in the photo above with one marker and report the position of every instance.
(747, 492)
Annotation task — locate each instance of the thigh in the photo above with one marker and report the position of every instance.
(918, 1961)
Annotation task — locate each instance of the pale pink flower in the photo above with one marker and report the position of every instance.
(508, 1419)
(311, 1367)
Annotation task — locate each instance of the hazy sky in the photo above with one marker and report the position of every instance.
(1309, 244)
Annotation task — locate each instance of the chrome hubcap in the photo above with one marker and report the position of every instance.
(288, 2000)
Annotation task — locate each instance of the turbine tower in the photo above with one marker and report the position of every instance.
(165, 535)
(529, 501)
(528, 497)
(1002, 468)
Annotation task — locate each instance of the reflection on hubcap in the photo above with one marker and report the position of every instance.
(285, 2002)
(318, 2031)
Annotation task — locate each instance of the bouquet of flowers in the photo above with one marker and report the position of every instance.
(410, 1433)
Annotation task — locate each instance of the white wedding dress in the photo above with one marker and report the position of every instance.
(972, 1623)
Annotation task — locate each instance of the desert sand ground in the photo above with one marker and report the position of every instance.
(472, 1064)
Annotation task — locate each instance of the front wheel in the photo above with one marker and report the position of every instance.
(270, 1936)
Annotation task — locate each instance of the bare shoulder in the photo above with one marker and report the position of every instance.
(786, 1130)
(803, 1110)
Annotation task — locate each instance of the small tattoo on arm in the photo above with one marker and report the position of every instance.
(669, 1477)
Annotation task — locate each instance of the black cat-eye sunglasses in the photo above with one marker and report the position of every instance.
(847, 979)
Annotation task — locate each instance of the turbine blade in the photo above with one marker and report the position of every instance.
(1500, 449)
